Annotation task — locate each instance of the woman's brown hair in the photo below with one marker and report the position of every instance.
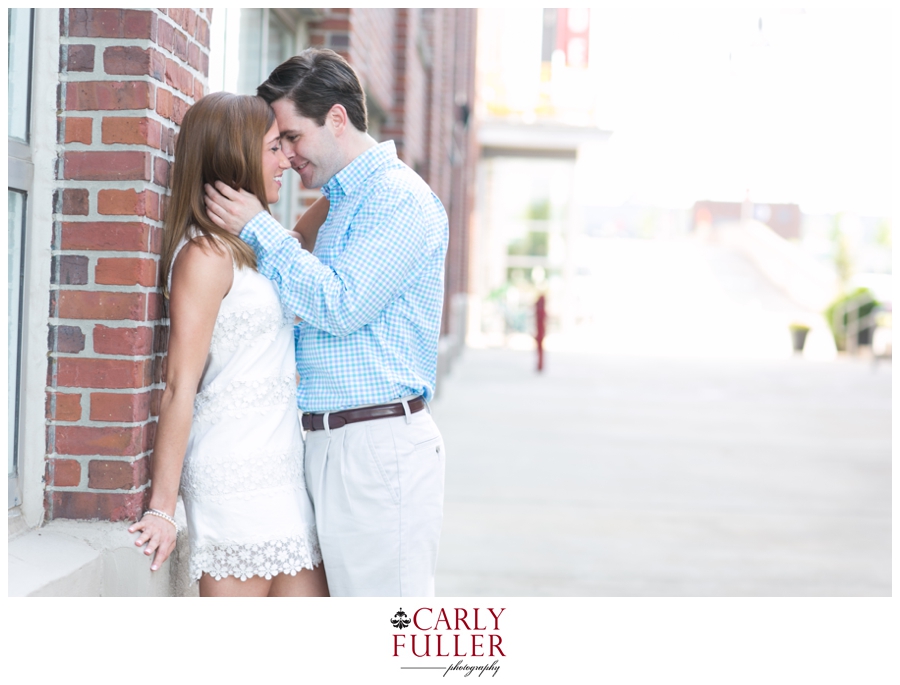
(221, 139)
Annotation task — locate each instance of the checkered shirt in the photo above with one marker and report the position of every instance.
(370, 295)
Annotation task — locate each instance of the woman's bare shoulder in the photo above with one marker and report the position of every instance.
(204, 262)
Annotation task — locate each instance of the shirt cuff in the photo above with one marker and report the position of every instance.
(263, 234)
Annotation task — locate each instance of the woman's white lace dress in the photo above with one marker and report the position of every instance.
(243, 485)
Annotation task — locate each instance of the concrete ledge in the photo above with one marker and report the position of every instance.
(93, 559)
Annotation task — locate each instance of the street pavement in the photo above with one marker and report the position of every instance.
(622, 473)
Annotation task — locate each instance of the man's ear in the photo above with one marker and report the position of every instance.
(338, 120)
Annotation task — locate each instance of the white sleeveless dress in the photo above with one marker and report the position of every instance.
(243, 484)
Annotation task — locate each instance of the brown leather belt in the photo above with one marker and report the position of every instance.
(336, 419)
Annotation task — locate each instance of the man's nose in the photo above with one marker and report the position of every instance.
(286, 150)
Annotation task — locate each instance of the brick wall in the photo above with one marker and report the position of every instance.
(126, 79)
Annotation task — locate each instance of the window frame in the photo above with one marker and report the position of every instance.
(21, 180)
(34, 165)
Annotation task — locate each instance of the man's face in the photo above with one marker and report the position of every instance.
(311, 149)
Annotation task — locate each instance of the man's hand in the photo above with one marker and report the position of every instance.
(229, 208)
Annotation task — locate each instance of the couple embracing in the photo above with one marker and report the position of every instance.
(354, 508)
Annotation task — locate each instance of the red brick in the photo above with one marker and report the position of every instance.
(66, 339)
(160, 338)
(69, 269)
(139, 25)
(156, 306)
(333, 25)
(198, 89)
(108, 95)
(78, 129)
(179, 77)
(79, 57)
(155, 401)
(123, 202)
(126, 271)
(194, 56)
(149, 437)
(156, 236)
(176, 14)
(120, 407)
(159, 368)
(62, 406)
(118, 441)
(202, 35)
(73, 201)
(167, 140)
(189, 23)
(104, 235)
(131, 131)
(134, 61)
(84, 304)
(63, 473)
(118, 475)
(76, 372)
(179, 109)
(179, 46)
(160, 172)
(126, 341)
(166, 35)
(95, 505)
(112, 23)
(107, 166)
(164, 103)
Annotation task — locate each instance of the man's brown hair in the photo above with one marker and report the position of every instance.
(315, 81)
(221, 139)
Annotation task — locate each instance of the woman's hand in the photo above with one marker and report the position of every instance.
(159, 536)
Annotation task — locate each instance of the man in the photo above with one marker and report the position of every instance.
(369, 301)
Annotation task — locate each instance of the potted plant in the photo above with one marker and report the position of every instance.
(798, 336)
(853, 310)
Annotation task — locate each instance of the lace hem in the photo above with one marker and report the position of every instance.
(263, 559)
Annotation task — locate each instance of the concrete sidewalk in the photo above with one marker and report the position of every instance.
(615, 475)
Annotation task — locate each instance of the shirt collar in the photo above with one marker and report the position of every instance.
(352, 176)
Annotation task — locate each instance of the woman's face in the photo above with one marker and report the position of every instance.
(273, 163)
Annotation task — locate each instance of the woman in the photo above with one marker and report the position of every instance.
(228, 426)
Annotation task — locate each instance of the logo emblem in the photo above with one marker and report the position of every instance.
(400, 620)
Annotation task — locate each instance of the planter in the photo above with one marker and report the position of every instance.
(798, 337)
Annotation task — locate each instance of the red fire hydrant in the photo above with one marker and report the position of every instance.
(540, 320)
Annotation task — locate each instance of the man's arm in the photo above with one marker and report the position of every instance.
(231, 209)
(387, 246)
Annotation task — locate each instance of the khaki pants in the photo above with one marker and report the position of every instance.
(377, 488)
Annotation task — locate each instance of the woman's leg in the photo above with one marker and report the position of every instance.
(307, 583)
(229, 586)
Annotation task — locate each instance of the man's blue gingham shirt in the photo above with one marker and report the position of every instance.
(370, 296)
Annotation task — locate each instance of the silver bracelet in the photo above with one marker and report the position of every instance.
(162, 515)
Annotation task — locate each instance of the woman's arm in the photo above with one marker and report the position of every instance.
(308, 225)
(201, 276)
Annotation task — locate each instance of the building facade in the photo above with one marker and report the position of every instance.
(96, 99)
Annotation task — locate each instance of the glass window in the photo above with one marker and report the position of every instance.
(16, 225)
(19, 72)
(251, 50)
(281, 43)
(248, 44)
